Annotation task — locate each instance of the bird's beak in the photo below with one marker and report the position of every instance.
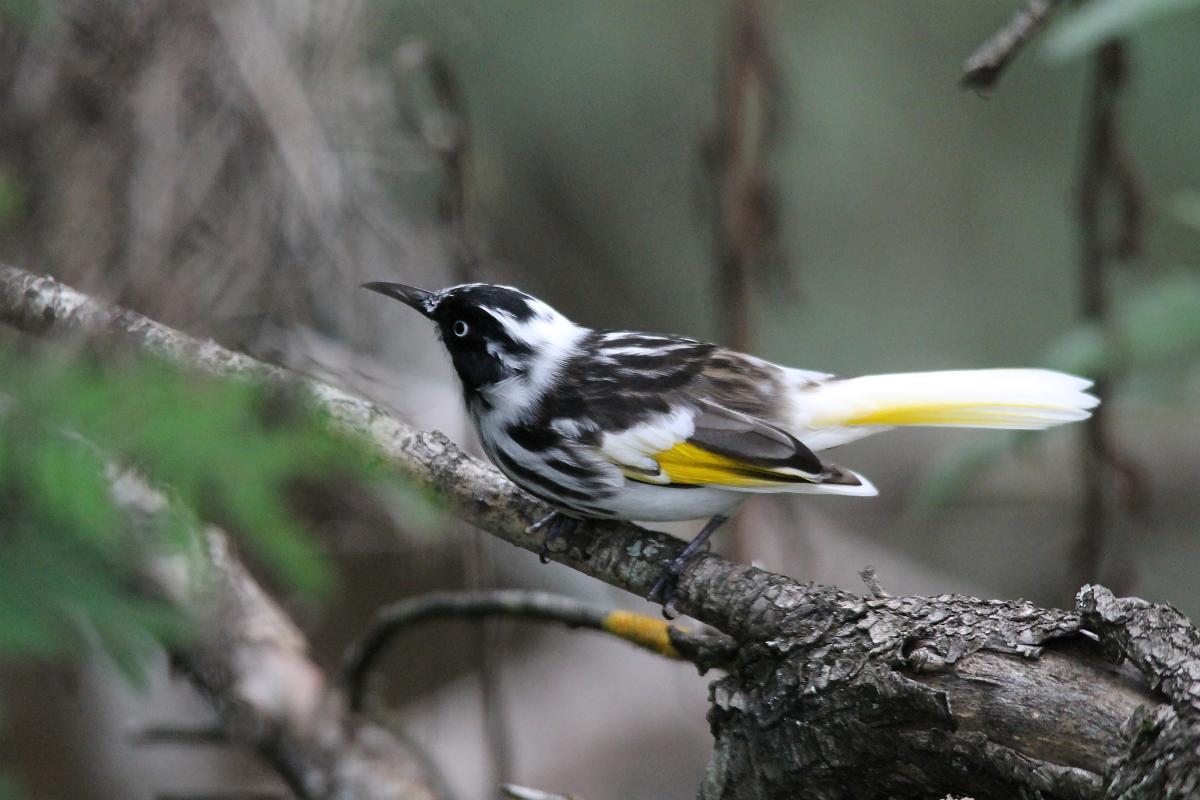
(420, 299)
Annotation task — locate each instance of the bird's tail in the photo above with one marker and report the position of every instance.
(841, 410)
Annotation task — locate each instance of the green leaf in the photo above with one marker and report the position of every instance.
(1185, 208)
(1090, 24)
(10, 789)
(226, 451)
(1158, 325)
(952, 475)
(12, 199)
(1080, 351)
(24, 12)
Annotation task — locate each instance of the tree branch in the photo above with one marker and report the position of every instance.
(985, 66)
(620, 554)
(829, 691)
(1164, 757)
(1105, 172)
(655, 635)
(525, 793)
(252, 662)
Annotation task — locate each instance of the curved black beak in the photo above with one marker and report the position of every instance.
(420, 299)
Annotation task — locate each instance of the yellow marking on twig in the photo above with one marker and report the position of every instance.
(642, 630)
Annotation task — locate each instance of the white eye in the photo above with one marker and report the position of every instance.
(460, 328)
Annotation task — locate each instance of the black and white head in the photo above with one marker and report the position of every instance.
(507, 346)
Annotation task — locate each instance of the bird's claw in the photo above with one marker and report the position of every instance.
(668, 581)
(556, 524)
(664, 588)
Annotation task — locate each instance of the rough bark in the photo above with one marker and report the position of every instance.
(831, 695)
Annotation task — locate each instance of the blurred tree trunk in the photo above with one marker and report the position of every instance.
(181, 158)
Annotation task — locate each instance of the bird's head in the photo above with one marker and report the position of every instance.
(496, 335)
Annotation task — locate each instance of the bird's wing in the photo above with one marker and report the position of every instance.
(672, 411)
(751, 385)
(701, 443)
(667, 410)
(781, 396)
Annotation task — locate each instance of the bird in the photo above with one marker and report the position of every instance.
(617, 424)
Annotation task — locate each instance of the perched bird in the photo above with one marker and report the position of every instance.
(641, 426)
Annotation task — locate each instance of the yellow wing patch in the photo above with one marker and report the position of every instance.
(688, 464)
(967, 414)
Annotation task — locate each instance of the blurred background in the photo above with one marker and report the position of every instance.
(805, 180)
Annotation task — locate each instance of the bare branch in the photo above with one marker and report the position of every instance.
(985, 66)
(869, 577)
(525, 793)
(646, 632)
(235, 794)
(621, 554)
(745, 206)
(177, 733)
(252, 662)
(448, 134)
(1105, 172)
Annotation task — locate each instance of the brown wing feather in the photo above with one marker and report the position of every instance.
(742, 383)
(744, 401)
(750, 440)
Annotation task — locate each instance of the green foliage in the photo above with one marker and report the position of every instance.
(12, 199)
(25, 12)
(954, 474)
(1185, 208)
(1083, 29)
(9, 789)
(226, 451)
(1157, 326)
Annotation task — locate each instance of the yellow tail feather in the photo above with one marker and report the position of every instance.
(968, 415)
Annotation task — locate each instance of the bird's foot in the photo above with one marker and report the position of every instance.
(663, 590)
(555, 524)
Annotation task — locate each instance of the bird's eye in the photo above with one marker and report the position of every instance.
(460, 328)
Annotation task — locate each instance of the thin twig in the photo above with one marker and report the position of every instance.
(650, 633)
(448, 134)
(489, 647)
(525, 793)
(745, 224)
(179, 733)
(1105, 172)
(984, 67)
(446, 131)
(228, 794)
(745, 214)
(869, 577)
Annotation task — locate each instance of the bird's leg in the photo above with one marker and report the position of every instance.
(664, 587)
(556, 524)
